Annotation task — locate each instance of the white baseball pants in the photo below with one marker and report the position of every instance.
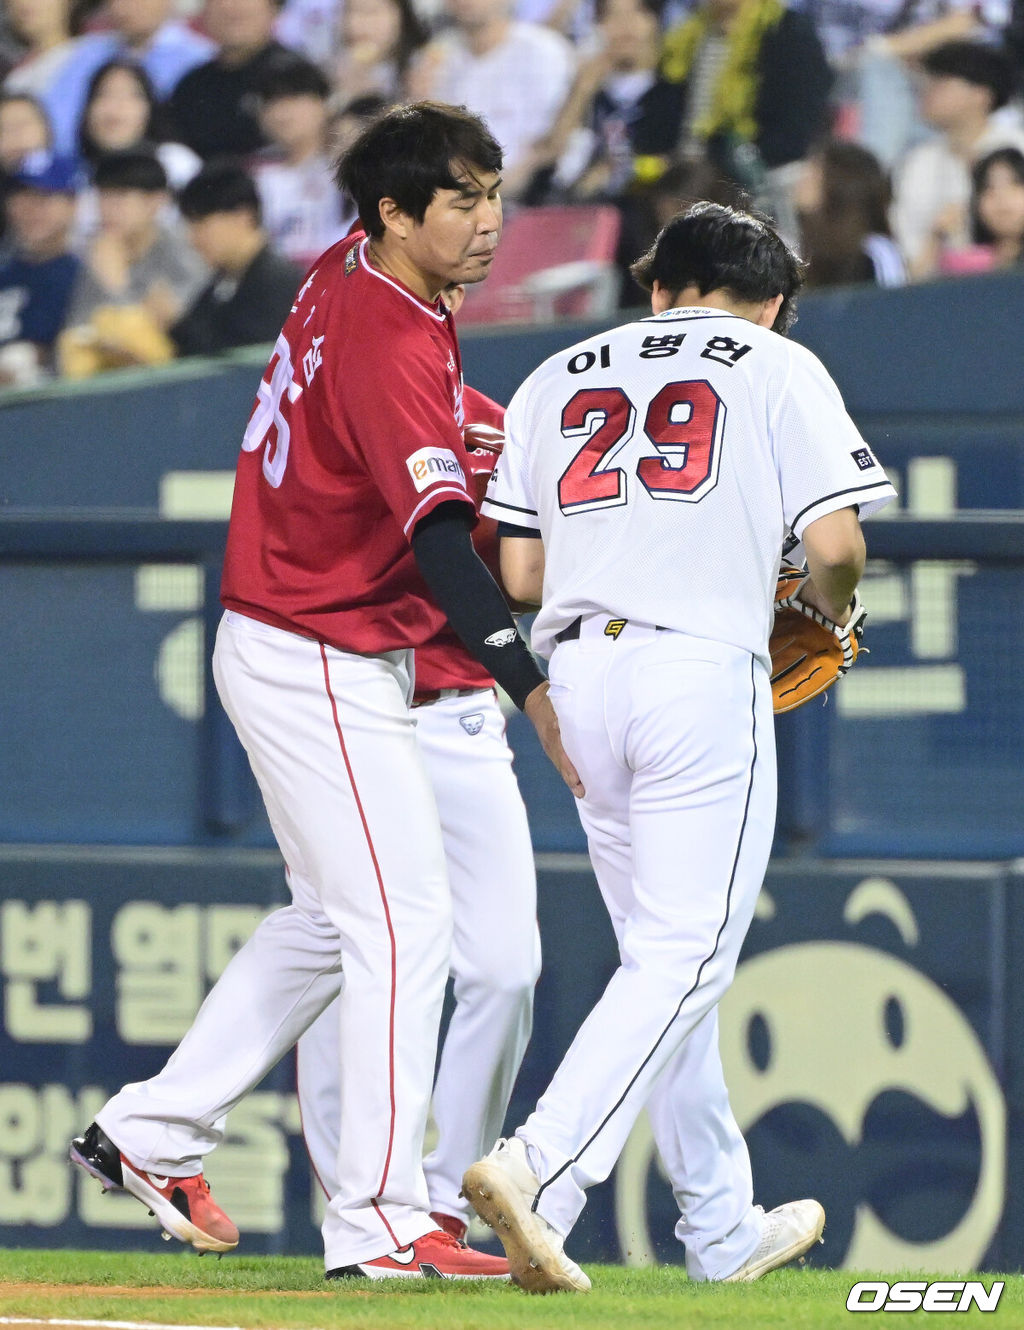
(495, 956)
(333, 747)
(673, 738)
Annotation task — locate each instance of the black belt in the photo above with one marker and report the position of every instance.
(572, 631)
(424, 696)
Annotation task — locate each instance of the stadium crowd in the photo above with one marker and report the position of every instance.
(166, 165)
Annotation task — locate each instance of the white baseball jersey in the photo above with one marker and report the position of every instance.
(666, 463)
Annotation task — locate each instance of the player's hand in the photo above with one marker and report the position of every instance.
(541, 713)
(811, 595)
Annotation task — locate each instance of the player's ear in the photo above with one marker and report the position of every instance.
(661, 298)
(769, 312)
(395, 220)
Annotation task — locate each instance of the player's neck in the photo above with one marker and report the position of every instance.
(691, 298)
(393, 263)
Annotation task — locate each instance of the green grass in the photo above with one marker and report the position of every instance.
(284, 1292)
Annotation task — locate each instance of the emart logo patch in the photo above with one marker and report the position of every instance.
(428, 465)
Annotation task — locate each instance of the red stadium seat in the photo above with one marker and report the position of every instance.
(553, 262)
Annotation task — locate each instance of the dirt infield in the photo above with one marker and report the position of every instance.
(26, 1288)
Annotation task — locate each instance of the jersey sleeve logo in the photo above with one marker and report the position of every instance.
(503, 638)
(864, 458)
(429, 465)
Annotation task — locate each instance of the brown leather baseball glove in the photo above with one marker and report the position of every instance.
(809, 650)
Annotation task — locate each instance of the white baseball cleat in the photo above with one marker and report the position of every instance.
(789, 1231)
(501, 1188)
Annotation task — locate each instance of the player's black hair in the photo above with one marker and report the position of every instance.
(290, 75)
(223, 185)
(1013, 160)
(135, 168)
(716, 248)
(974, 62)
(409, 153)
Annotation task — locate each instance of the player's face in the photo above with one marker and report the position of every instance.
(458, 237)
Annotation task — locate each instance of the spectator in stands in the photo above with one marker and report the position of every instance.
(48, 29)
(874, 45)
(24, 128)
(311, 28)
(215, 107)
(347, 122)
(253, 287)
(37, 276)
(621, 121)
(379, 39)
(149, 33)
(121, 112)
(138, 274)
(11, 49)
(680, 186)
(302, 208)
(997, 205)
(964, 84)
(843, 198)
(756, 86)
(516, 75)
(1013, 34)
(141, 32)
(656, 201)
(997, 216)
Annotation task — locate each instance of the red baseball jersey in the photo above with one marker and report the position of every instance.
(356, 434)
(444, 662)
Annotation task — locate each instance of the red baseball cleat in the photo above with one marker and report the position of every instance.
(437, 1255)
(455, 1227)
(183, 1206)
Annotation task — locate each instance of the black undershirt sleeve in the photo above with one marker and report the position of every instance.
(471, 600)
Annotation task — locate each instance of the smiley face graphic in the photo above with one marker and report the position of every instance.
(838, 1028)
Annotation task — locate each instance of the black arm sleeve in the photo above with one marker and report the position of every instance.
(470, 598)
